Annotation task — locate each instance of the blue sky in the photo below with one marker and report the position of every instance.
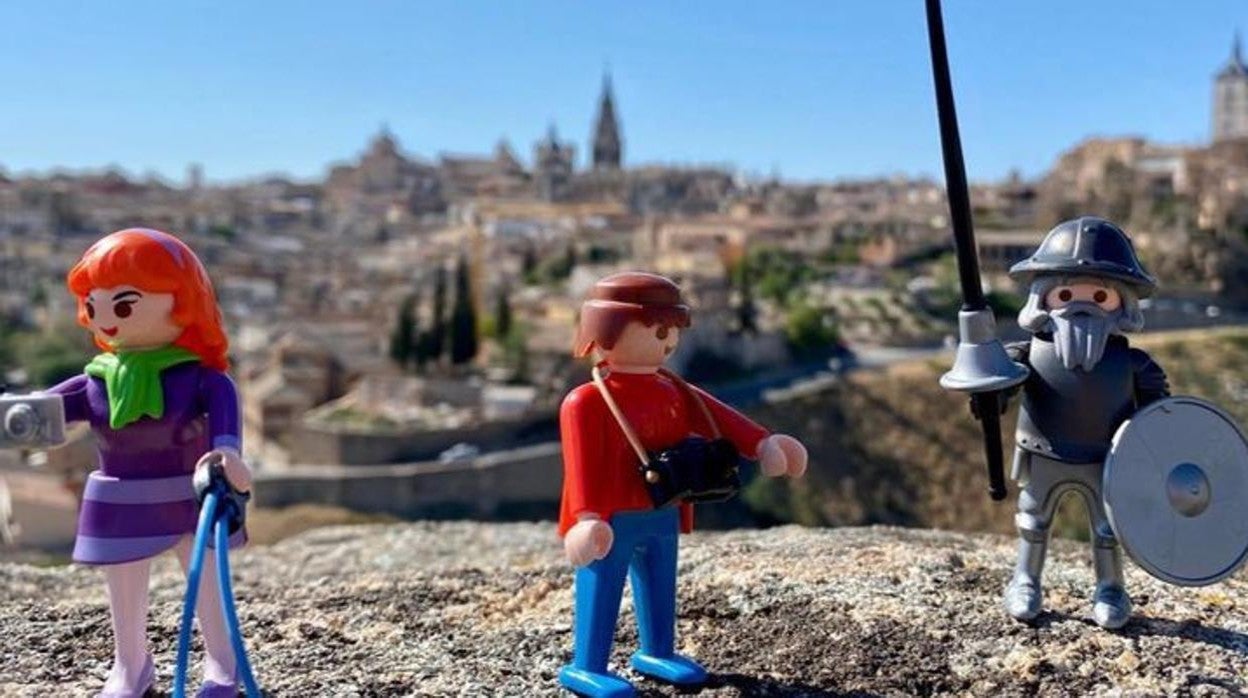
(809, 89)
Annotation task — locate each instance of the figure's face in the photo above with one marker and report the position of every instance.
(128, 318)
(1085, 291)
(642, 346)
(1083, 313)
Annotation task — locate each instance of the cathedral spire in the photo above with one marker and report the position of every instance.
(607, 145)
(1235, 63)
(1230, 96)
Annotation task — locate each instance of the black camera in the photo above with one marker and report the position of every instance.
(694, 470)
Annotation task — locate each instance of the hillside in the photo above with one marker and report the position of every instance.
(893, 447)
(463, 609)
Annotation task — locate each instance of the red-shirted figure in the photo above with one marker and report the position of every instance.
(609, 522)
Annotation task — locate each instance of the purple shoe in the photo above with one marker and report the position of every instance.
(212, 689)
(146, 678)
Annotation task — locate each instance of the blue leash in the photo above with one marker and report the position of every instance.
(222, 510)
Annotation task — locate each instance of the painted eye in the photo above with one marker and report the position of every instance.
(123, 309)
(1100, 296)
(90, 311)
(661, 333)
(1065, 295)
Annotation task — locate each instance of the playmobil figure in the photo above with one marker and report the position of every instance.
(1164, 477)
(161, 406)
(1084, 289)
(639, 444)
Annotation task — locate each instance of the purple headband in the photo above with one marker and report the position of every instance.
(166, 241)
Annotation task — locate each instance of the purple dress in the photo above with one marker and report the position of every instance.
(141, 502)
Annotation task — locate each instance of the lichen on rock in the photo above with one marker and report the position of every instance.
(465, 609)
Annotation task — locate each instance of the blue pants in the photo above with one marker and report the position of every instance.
(645, 547)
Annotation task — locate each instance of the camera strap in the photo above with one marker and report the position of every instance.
(629, 434)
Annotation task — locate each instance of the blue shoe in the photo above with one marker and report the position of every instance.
(594, 685)
(675, 669)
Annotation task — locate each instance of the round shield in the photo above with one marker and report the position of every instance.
(1176, 483)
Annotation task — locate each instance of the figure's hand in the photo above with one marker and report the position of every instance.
(588, 540)
(1003, 403)
(781, 454)
(236, 471)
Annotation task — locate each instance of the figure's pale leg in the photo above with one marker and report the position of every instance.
(127, 600)
(219, 663)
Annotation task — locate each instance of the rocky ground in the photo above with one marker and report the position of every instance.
(485, 610)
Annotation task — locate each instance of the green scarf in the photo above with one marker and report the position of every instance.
(133, 381)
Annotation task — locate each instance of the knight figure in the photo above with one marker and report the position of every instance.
(1084, 288)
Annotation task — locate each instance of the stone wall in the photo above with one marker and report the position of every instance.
(523, 483)
(327, 444)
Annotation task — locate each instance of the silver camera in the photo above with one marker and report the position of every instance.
(32, 421)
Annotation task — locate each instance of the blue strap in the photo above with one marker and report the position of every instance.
(217, 519)
(242, 665)
(207, 515)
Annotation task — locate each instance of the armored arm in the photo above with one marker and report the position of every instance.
(1150, 379)
(1018, 353)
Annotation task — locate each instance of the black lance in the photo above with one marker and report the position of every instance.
(982, 367)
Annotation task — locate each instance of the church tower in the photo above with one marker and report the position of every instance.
(607, 144)
(1230, 97)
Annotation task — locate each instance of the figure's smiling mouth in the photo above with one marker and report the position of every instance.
(110, 331)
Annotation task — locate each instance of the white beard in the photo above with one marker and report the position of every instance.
(1080, 333)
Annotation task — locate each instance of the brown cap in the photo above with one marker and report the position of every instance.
(638, 288)
(630, 296)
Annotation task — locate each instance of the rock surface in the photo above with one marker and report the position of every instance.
(441, 609)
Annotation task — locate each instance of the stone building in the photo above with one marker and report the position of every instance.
(1230, 97)
(301, 373)
(554, 162)
(382, 180)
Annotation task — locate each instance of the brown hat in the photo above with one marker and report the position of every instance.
(631, 296)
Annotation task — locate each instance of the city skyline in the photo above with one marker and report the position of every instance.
(806, 91)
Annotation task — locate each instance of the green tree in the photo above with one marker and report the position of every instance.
(516, 353)
(420, 338)
(502, 313)
(747, 312)
(403, 338)
(809, 330)
(528, 263)
(437, 321)
(464, 341)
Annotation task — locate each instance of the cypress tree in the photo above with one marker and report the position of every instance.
(420, 338)
(437, 322)
(502, 314)
(747, 313)
(463, 317)
(403, 338)
(528, 264)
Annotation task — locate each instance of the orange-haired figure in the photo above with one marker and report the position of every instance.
(161, 406)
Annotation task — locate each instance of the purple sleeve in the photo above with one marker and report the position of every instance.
(73, 393)
(221, 404)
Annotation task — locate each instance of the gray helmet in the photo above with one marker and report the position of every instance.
(1087, 246)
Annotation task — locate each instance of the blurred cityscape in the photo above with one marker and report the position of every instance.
(401, 327)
